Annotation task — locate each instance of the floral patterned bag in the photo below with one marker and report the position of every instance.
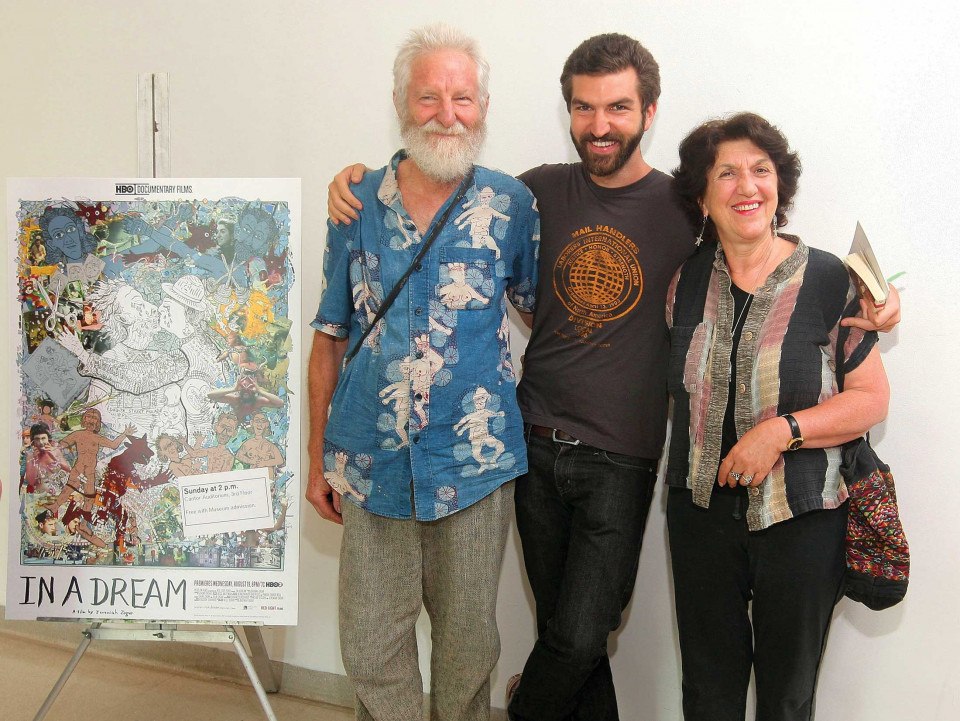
(878, 556)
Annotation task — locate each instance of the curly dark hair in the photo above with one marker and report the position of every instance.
(611, 53)
(39, 429)
(698, 153)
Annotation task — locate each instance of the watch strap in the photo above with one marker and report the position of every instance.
(797, 437)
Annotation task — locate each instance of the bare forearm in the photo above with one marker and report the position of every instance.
(324, 369)
(840, 419)
(861, 405)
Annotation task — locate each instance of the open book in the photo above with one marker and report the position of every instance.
(865, 269)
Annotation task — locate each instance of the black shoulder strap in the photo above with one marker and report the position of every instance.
(843, 334)
(840, 362)
(424, 247)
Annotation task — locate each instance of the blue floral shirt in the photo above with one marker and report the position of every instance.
(426, 411)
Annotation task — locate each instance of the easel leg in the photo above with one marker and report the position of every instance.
(259, 657)
(77, 655)
(252, 673)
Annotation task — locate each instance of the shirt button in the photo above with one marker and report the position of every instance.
(418, 396)
(742, 388)
(416, 439)
(748, 335)
(754, 491)
(418, 311)
(418, 354)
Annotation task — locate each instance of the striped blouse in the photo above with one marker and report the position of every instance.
(785, 363)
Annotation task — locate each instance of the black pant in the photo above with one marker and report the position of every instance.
(581, 513)
(792, 572)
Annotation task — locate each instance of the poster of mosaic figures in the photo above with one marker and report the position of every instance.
(157, 342)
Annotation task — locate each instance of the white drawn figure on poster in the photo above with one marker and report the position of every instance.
(476, 424)
(398, 394)
(458, 293)
(259, 451)
(479, 214)
(185, 313)
(219, 457)
(132, 383)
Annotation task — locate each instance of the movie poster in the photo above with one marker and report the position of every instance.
(156, 399)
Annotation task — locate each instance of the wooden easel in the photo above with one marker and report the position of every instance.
(153, 139)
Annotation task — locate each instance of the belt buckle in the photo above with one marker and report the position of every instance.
(574, 442)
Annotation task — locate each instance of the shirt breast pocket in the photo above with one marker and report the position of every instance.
(468, 278)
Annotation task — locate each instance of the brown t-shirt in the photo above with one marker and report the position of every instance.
(596, 363)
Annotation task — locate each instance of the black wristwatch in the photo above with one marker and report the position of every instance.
(797, 439)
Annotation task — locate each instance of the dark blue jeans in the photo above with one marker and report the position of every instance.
(581, 512)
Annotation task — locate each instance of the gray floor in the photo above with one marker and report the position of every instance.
(104, 688)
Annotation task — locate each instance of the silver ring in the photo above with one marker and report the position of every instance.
(735, 476)
(747, 479)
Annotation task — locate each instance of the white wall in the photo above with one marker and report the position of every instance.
(867, 92)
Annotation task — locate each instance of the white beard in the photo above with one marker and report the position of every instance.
(443, 159)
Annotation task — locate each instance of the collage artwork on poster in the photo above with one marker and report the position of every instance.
(156, 385)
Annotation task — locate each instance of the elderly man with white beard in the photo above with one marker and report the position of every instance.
(425, 509)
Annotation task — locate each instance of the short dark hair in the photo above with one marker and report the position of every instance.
(39, 429)
(611, 53)
(698, 153)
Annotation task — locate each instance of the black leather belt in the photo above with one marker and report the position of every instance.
(554, 434)
(558, 436)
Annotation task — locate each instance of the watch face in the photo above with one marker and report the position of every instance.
(794, 444)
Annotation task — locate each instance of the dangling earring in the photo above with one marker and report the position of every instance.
(774, 225)
(699, 239)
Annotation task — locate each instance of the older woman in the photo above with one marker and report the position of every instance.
(756, 510)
